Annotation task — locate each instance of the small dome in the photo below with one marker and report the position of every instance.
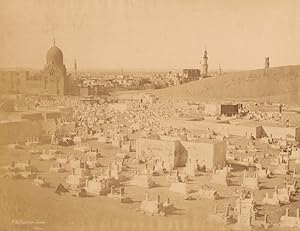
(54, 56)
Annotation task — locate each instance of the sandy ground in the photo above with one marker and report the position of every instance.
(278, 84)
(23, 202)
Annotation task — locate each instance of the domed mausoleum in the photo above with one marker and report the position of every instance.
(55, 79)
(55, 56)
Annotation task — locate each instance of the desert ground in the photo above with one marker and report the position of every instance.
(25, 206)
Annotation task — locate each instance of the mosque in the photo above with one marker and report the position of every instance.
(55, 80)
(52, 80)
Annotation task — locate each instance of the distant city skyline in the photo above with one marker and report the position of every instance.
(151, 34)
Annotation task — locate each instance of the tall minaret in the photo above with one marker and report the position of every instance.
(267, 62)
(220, 69)
(205, 65)
(75, 66)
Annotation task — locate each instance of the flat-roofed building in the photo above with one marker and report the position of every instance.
(175, 153)
(221, 109)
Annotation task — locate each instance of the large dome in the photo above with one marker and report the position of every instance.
(54, 56)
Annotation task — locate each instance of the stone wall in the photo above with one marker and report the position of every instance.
(18, 130)
(211, 153)
(157, 149)
(231, 129)
(282, 132)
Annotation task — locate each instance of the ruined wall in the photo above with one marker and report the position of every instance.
(181, 155)
(203, 152)
(177, 153)
(12, 131)
(20, 81)
(169, 138)
(282, 132)
(157, 149)
(244, 130)
(47, 119)
(229, 110)
(297, 134)
(293, 117)
(219, 154)
(232, 129)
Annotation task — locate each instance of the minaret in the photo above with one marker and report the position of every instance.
(220, 69)
(200, 70)
(75, 66)
(205, 65)
(267, 62)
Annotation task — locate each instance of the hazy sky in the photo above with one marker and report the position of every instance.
(150, 33)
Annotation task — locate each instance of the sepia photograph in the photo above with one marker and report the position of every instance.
(149, 115)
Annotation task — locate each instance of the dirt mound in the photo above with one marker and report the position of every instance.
(278, 84)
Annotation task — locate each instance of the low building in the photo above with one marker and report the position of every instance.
(141, 98)
(32, 124)
(221, 109)
(191, 74)
(175, 153)
(234, 127)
